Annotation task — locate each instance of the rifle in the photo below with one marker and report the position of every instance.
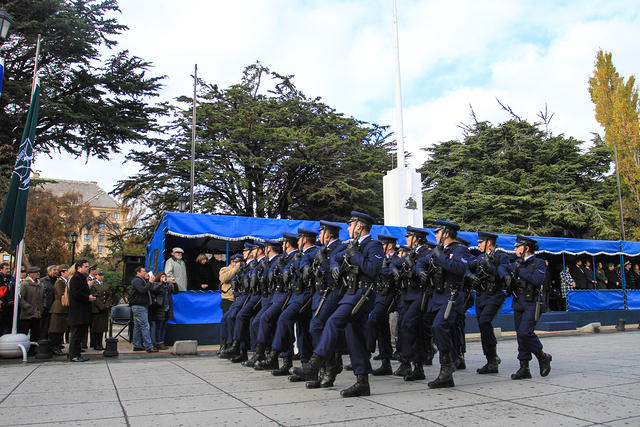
(538, 306)
(346, 266)
(363, 298)
(392, 305)
(514, 275)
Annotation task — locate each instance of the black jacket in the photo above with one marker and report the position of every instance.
(79, 304)
(140, 292)
(579, 277)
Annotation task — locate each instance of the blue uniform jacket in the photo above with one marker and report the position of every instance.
(534, 275)
(499, 258)
(454, 266)
(369, 260)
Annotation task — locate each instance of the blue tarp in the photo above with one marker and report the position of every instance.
(196, 308)
(596, 300)
(505, 309)
(633, 299)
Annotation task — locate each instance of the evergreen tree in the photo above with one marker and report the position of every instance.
(516, 178)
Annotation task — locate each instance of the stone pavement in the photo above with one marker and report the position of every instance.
(595, 380)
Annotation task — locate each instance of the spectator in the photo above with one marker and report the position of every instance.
(31, 305)
(226, 274)
(175, 268)
(99, 309)
(636, 275)
(601, 277)
(578, 274)
(139, 301)
(613, 281)
(216, 263)
(7, 283)
(47, 298)
(58, 324)
(161, 308)
(588, 272)
(79, 310)
(629, 279)
(202, 279)
(566, 284)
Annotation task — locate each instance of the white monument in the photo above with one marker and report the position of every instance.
(402, 185)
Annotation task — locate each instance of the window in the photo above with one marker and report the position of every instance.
(86, 237)
(101, 238)
(116, 226)
(116, 215)
(101, 226)
(103, 214)
(100, 249)
(6, 257)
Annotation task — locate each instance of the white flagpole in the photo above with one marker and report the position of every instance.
(193, 136)
(399, 121)
(20, 249)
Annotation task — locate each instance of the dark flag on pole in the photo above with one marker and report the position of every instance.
(13, 219)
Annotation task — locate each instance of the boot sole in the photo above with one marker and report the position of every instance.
(442, 385)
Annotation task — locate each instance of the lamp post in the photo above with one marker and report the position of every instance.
(74, 239)
(183, 204)
(5, 24)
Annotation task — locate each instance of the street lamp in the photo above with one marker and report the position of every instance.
(183, 203)
(74, 239)
(5, 24)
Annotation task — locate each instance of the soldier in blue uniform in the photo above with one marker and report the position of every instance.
(489, 295)
(378, 324)
(240, 283)
(325, 300)
(410, 324)
(299, 276)
(267, 289)
(446, 266)
(245, 314)
(280, 298)
(459, 340)
(357, 266)
(523, 278)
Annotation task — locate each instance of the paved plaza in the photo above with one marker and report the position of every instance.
(595, 380)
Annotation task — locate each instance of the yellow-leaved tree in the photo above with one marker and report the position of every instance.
(618, 111)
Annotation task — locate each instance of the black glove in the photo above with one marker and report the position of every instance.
(472, 279)
(335, 273)
(507, 281)
(286, 276)
(351, 250)
(424, 277)
(306, 274)
(436, 252)
(395, 274)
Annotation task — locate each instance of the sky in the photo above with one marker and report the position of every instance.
(453, 55)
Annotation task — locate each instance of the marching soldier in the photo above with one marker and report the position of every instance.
(267, 289)
(325, 300)
(411, 330)
(280, 277)
(459, 341)
(358, 265)
(523, 279)
(378, 324)
(489, 295)
(445, 267)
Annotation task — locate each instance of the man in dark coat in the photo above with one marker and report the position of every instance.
(79, 309)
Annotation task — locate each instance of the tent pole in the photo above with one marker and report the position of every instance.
(564, 271)
(623, 280)
(595, 277)
(227, 260)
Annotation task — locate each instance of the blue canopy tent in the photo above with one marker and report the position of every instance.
(225, 233)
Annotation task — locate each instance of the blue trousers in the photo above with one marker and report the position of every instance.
(524, 316)
(411, 326)
(354, 328)
(226, 331)
(243, 321)
(284, 336)
(401, 308)
(318, 322)
(443, 329)
(255, 320)
(487, 308)
(377, 327)
(269, 318)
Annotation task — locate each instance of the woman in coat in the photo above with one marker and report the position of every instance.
(99, 310)
(161, 308)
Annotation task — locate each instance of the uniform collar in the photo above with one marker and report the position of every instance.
(529, 257)
(362, 238)
(270, 259)
(260, 259)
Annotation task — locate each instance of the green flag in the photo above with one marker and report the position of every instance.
(14, 213)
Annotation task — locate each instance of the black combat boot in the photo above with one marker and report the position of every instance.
(257, 356)
(460, 363)
(348, 367)
(311, 369)
(360, 388)
(522, 373)
(404, 369)
(241, 357)
(338, 363)
(491, 367)
(377, 357)
(445, 377)
(416, 374)
(544, 360)
(271, 362)
(287, 363)
(331, 372)
(315, 383)
(294, 378)
(223, 347)
(431, 352)
(232, 351)
(384, 369)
